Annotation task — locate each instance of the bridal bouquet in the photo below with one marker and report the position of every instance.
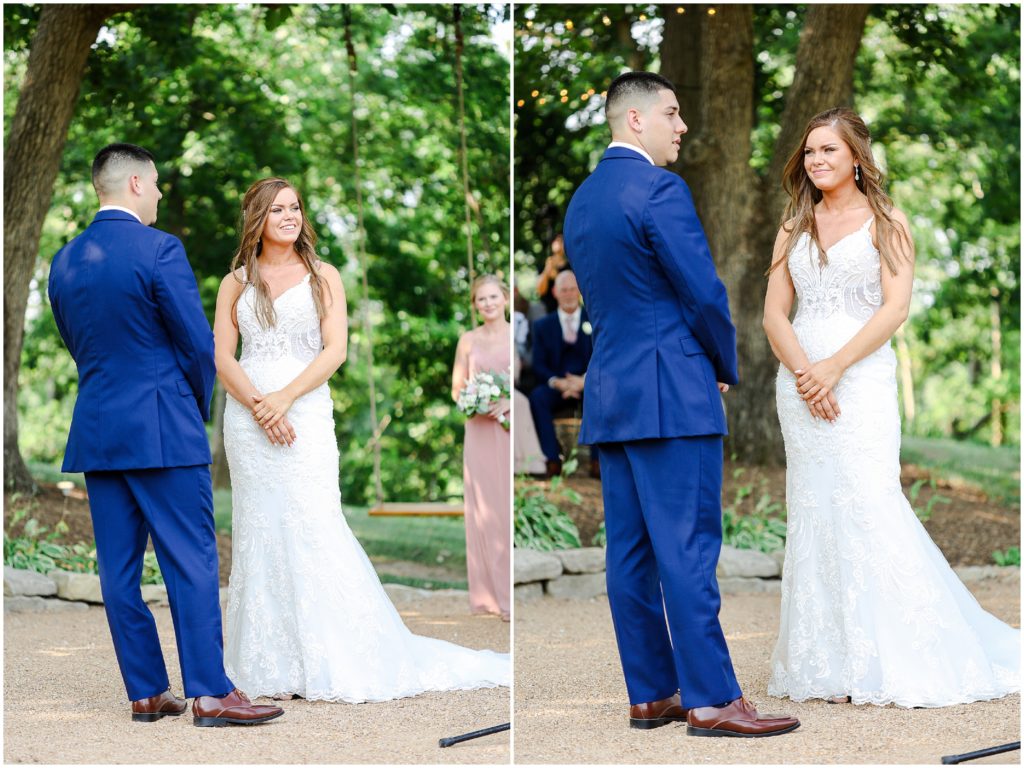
(481, 392)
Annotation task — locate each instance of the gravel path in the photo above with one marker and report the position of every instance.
(64, 703)
(571, 705)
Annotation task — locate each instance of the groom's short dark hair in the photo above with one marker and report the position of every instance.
(632, 84)
(113, 157)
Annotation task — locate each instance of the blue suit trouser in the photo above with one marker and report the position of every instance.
(174, 506)
(663, 519)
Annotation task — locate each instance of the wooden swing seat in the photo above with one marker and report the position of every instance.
(416, 509)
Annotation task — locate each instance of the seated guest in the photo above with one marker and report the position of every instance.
(561, 353)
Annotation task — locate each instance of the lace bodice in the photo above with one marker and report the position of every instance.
(296, 334)
(849, 282)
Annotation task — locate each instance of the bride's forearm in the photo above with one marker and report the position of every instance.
(235, 381)
(784, 343)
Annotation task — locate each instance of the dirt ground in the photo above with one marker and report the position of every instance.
(64, 703)
(968, 529)
(571, 705)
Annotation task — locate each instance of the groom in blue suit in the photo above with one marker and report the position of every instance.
(127, 306)
(664, 349)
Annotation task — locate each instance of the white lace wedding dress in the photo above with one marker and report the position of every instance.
(870, 608)
(306, 613)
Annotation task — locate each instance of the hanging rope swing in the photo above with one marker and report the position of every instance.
(384, 508)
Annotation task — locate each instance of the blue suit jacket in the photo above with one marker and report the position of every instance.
(547, 346)
(662, 332)
(128, 308)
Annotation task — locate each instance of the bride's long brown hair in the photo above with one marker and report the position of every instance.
(255, 207)
(799, 214)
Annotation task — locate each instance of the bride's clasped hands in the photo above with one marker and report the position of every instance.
(816, 384)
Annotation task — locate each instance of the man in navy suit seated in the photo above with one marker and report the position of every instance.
(562, 347)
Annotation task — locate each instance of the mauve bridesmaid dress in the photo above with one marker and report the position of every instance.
(488, 481)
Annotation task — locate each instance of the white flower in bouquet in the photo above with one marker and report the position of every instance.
(481, 391)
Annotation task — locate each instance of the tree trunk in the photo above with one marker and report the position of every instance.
(710, 57)
(38, 131)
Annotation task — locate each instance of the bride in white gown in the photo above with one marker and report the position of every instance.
(871, 611)
(306, 613)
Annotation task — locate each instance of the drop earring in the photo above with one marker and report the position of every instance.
(856, 173)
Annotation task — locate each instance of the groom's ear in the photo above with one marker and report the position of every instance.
(634, 119)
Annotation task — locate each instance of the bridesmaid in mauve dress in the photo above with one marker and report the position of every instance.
(487, 454)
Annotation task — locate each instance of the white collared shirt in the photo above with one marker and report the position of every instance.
(635, 148)
(120, 208)
(570, 320)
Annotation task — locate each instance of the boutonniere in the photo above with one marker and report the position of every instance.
(587, 328)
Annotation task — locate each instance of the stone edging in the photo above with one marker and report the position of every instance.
(63, 591)
(579, 573)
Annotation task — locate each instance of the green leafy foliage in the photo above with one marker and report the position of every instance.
(39, 549)
(924, 513)
(1010, 556)
(539, 523)
(762, 528)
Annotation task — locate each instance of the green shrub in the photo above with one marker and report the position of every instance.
(1010, 557)
(38, 549)
(763, 529)
(540, 524)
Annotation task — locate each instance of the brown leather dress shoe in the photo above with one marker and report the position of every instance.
(553, 468)
(654, 714)
(233, 709)
(738, 718)
(152, 709)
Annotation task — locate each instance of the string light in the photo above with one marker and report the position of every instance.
(520, 103)
(542, 101)
(535, 94)
(529, 24)
(711, 11)
(680, 9)
(562, 92)
(607, 21)
(585, 96)
(564, 99)
(568, 24)
(643, 17)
